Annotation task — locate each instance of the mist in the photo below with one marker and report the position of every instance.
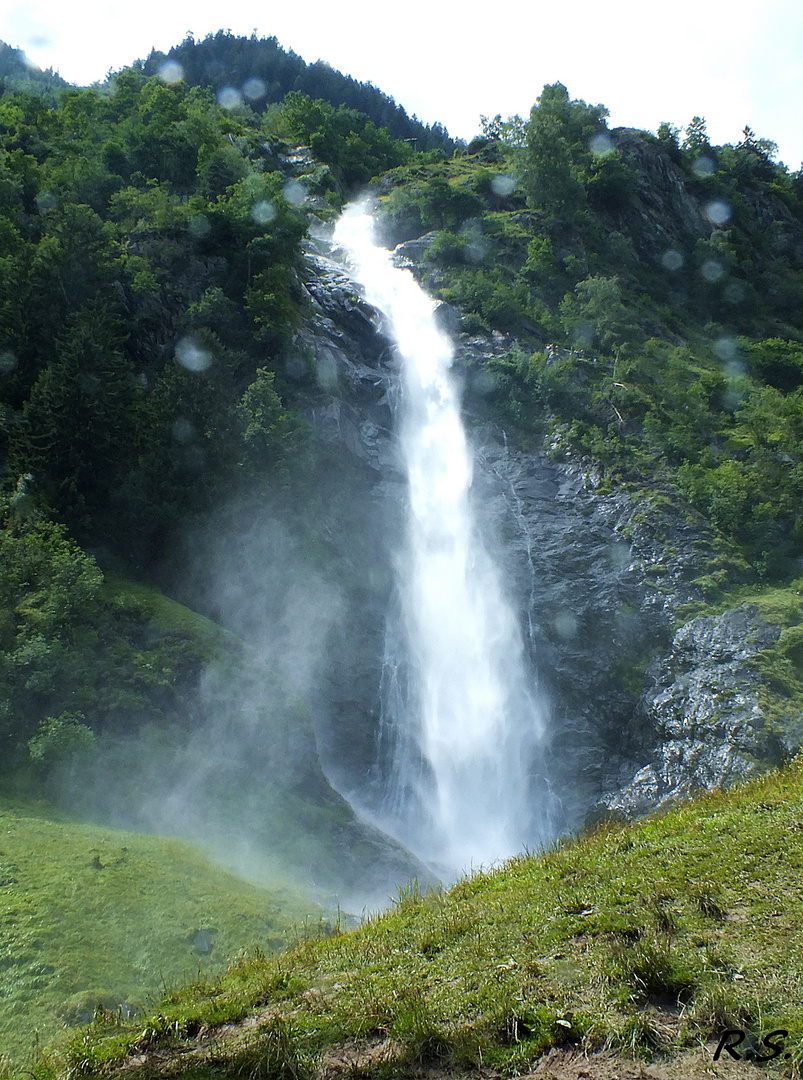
(238, 768)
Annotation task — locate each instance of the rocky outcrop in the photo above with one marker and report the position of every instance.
(703, 703)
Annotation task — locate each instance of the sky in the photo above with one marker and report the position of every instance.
(734, 63)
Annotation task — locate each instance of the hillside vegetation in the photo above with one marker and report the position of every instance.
(649, 939)
(94, 918)
(260, 72)
(651, 291)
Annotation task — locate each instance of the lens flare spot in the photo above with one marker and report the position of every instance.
(672, 259)
(192, 356)
(503, 185)
(726, 349)
(734, 292)
(171, 72)
(326, 371)
(183, 431)
(254, 89)
(229, 98)
(600, 144)
(565, 624)
(477, 247)
(46, 201)
(294, 192)
(717, 212)
(199, 227)
(712, 270)
(263, 212)
(619, 555)
(703, 165)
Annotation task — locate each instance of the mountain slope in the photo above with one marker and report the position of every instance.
(649, 939)
(19, 75)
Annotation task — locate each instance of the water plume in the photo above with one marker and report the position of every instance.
(462, 730)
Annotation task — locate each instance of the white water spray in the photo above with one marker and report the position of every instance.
(465, 785)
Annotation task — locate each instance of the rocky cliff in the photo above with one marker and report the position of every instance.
(644, 706)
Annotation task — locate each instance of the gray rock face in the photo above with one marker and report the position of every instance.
(638, 714)
(704, 706)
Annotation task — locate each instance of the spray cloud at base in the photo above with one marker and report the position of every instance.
(233, 763)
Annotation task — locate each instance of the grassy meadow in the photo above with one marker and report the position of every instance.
(92, 917)
(645, 940)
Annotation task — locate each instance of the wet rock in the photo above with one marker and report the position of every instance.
(410, 252)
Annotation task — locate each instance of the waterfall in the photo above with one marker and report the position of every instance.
(462, 727)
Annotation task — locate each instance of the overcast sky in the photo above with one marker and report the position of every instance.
(735, 63)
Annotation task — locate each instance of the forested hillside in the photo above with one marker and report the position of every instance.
(17, 74)
(261, 72)
(659, 282)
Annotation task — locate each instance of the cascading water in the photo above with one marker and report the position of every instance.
(464, 729)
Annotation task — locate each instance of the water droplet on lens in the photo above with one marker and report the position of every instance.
(672, 260)
(8, 361)
(565, 625)
(703, 166)
(263, 212)
(503, 185)
(726, 348)
(199, 227)
(600, 144)
(619, 555)
(712, 270)
(229, 98)
(294, 192)
(183, 431)
(717, 212)
(326, 371)
(46, 201)
(191, 356)
(171, 71)
(734, 292)
(254, 89)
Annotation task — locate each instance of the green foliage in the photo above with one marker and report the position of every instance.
(77, 656)
(775, 361)
(139, 222)
(594, 316)
(611, 183)
(649, 258)
(60, 738)
(559, 134)
(263, 73)
(273, 439)
(81, 427)
(696, 140)
(49, 599)
(348, 141)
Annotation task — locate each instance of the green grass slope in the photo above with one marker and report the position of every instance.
(644, 939)
(91, 916)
